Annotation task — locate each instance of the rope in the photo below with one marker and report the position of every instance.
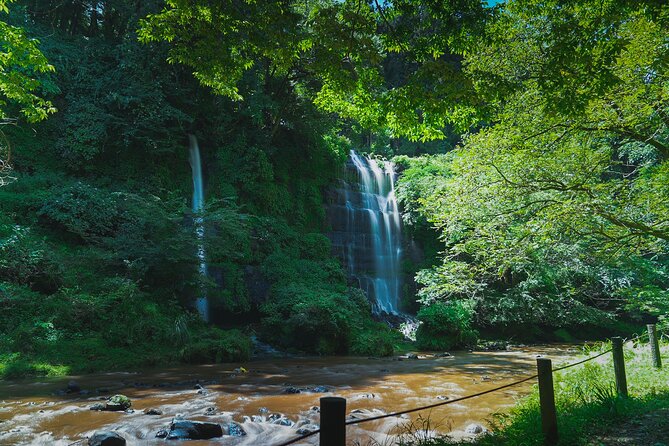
(295, 440)
(581, 362)
(431, 406)
(474, 395)
(638, 337)
(634, 339)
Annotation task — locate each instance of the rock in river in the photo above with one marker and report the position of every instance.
(181, 429)
(235, 430)
(474, 429)
(106, 438)
(113, 404)
(73, 387)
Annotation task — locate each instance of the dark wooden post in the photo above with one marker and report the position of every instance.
(619, 365)
(333, 421)
(547, 401)
(654, 346)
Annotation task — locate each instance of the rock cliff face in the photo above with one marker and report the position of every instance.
(365, 229)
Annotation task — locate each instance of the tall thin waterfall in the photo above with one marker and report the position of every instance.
(201, 304)
(366, 229)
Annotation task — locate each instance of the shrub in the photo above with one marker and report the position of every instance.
(315, 246)
(27, 260)
(218, 346)
(81, 210)
(377, 340)
(309, 319)
(446, 325)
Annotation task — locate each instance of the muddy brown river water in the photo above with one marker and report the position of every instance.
(34, 413)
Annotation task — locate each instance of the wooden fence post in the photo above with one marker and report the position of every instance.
(333, 421)
(547, 401)
(654, 346)
(619, 365)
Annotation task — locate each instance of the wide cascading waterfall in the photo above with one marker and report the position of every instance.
(201, 303)
(366, 229)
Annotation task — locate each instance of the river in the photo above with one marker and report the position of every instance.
(36, 413)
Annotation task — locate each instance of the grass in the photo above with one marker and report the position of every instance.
(79, 357)
(13, 366)
(65, 356)
(586, 402)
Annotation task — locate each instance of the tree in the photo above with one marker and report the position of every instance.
(21, 64)
(564, 194)
(388, 67)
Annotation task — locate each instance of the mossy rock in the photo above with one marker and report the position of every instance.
(118, 402)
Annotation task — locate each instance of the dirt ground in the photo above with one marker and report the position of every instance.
(651, 429)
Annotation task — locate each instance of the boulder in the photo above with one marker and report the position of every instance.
(153, 412)
(73, 387)
(283, 422)
(412, 356)
(235, 430)
(181, 429)
(474, 429)
(162, 433)
(117, 403)
(304, 430)
(106, 438)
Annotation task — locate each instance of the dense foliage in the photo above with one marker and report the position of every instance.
(98, 264)
(556, 211)
(539, 201)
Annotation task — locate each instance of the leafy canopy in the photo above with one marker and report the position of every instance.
(388, 66)
(561, 200)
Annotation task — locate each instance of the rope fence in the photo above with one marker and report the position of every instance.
(333, 409)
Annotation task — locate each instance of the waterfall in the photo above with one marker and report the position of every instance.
(201, 304)
(366, 229)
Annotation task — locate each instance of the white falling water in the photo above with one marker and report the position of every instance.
(201, 304)
(367, 231)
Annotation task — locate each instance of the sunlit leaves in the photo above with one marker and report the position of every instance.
(343, 50)
(223, 40)
(561, 199)
(21, 63)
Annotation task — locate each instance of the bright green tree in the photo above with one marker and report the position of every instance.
(561, 200)
(21, 63)
(390, 67)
